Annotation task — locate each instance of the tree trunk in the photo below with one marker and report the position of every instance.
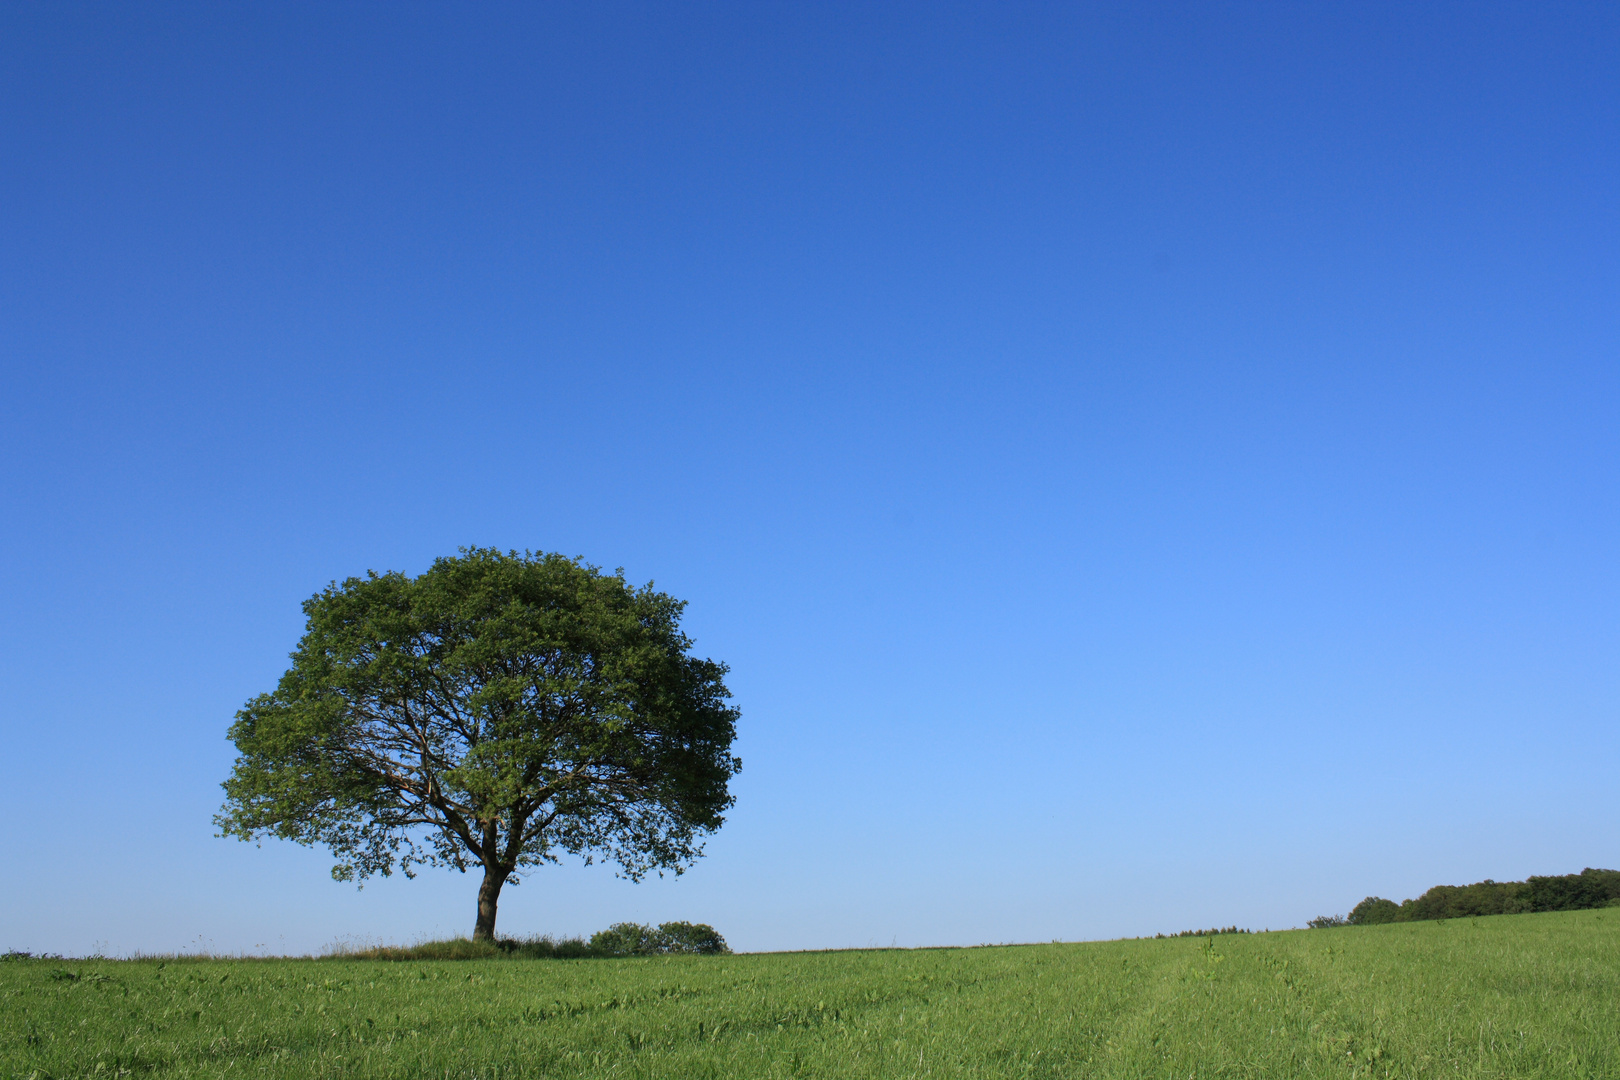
(489, 894)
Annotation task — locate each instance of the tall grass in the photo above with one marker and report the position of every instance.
(618, 940)
(543, 947)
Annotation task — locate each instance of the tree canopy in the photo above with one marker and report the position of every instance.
(495, 712)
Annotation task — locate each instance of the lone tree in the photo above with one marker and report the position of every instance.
(495, 712)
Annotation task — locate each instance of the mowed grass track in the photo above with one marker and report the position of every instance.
(1510, 996)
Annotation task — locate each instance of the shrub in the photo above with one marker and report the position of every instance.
(1322, 922)
(624, 939)
(634, 939)
(1374, 910)
(699, 939)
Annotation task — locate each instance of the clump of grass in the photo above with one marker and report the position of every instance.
(457, 948)
(620, 939)
(546, 947)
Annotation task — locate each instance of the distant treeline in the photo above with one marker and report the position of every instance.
(1204, 933)
(1568, 892)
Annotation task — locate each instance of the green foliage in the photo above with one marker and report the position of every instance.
(495, 712)
(1205, 933)
(625, 939)
(697, 939)
(1478, 999)
(1569, 892)
(1374, 910)
(1323, 922)
(634, 939)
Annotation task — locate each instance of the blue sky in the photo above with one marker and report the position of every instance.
(1147, 466)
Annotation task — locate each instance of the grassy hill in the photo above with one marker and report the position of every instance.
(1506, 996)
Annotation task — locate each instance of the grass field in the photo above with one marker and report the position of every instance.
(1509, 996)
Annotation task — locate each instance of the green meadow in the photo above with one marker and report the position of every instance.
(1506, 996)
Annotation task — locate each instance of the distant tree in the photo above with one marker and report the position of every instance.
(493, 713)
(1374, 910)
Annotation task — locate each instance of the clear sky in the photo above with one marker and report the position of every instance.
(1147, 466)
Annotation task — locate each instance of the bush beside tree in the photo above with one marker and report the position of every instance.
(618, 940)
(634, 939)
